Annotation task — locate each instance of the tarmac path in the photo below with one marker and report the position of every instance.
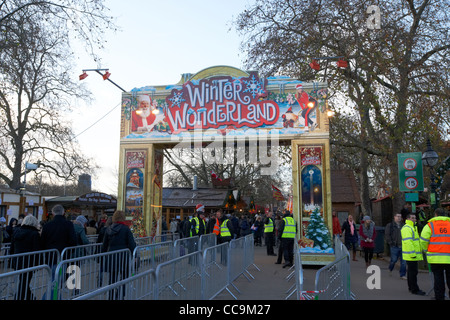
(270, 281)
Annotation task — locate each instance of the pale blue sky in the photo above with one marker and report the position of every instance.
(159, 41)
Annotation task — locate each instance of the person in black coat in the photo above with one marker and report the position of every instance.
(287, 244)
(59, 233)
(13, 223)
(117, 237)
(222, 218)
(25, 239)
(351, 235)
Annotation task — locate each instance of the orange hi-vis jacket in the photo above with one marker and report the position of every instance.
(435, 239)
(216, 229)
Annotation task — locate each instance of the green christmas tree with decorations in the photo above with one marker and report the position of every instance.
(318, 232)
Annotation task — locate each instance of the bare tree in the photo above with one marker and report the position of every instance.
(396, 86)
(37, 90)
(182, 164)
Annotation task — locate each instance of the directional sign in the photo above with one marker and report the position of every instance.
(410, 171)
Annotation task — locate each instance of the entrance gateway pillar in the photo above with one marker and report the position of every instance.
(217, 105)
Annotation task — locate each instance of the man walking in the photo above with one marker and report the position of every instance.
(393, 237)
(435, 240)
(411, 252)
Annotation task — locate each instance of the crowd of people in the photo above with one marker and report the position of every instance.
(277, 229)
(411, 238)
(28, 235)
(409, 242)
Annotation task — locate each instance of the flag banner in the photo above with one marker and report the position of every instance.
(290, 204)
(277, 193)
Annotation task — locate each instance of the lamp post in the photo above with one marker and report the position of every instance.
(28, 167)
(430, 159)
(105, 76)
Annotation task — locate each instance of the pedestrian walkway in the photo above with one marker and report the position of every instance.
(270, 282)
(392, 287)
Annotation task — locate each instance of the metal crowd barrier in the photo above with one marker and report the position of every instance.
(26, 284)
(137, 287)
(92, 238)
(143, 241)
(20, 261)
(166, 270)
(236, 263)
(150, 256)
(194, 276)
(297, 274)
(249, 258)
(180, 278)
(185, 246)
(4, 249)
(332, 282)
(81, 251)
(215, 271)
(207, 241)
(169, 236)
(77, 276)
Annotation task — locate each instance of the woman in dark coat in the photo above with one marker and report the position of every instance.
(351, 235)
(25, 239)
(10, 229)
(118, 236)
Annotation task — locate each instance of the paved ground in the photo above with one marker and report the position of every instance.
(270, 282)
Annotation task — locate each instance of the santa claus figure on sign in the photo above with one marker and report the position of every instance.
(306, 104)
(146, 116)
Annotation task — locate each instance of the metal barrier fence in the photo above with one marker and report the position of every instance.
(20, 261)
(122, 275)
(236, 265)
(150, 256)
(185, 246)
(26, 284)
(81, 251)
(77, 276)
(207, 241)
(4, 249)
(180, 278)
(92, 238)
(143, 241)
(169, 236)
(137, 287)
(198, 275)
(215, 271)
(297, 274)
(332, 282)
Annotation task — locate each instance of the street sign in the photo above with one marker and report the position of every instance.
(411, 197)
(410, 171)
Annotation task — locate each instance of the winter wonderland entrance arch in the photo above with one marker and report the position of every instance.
(221, 107)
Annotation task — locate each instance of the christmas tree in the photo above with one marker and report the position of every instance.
(318, 231)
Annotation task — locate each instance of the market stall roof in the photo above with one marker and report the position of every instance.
(187, 197)
(344, 187)
(92, 199)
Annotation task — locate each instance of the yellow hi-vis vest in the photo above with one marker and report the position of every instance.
(289, 228)
(224, 231)
(197, 225)
(268, 227)
(411, 250)
(435, 240)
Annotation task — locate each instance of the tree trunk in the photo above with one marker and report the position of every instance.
(364, 184)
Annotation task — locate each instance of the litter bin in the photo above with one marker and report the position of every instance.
(379, 240)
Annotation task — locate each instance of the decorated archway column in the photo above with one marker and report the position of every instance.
(140, 187)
